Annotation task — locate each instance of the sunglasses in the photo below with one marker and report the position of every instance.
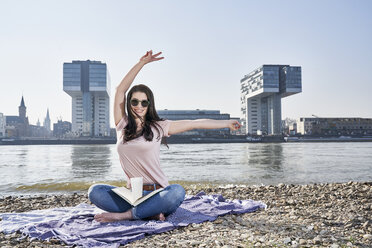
(144, 103)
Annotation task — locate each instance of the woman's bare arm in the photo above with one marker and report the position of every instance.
(187, 125)
(119, 101)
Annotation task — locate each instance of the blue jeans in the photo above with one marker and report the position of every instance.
(166, 201)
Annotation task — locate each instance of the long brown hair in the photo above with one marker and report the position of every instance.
(150, 120)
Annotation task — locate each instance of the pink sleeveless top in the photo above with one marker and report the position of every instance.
(141, 158)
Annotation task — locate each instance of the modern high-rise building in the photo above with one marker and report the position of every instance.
(261, 94)
(88, 83)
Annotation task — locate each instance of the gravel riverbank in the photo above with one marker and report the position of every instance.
(316, 215)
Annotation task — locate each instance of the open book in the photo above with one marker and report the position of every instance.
(134, 196)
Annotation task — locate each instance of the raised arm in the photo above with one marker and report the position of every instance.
(119, 101)
(187, 125)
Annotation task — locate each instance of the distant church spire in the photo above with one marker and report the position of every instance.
(22, 109)
(47, 121)
(23, 102)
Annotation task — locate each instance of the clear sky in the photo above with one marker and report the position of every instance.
(208, 47)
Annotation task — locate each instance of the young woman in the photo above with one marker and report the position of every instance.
(139, 134)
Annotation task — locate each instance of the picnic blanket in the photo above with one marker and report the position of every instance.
(76, 225)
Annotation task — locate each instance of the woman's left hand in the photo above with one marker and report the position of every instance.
(234, 125)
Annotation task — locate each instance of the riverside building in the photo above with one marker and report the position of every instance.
(334, 126)
(2, 125)
(197, 114)
(261, 94)
(17, 126)
(61, 128)
(41, 131)
(88, 84)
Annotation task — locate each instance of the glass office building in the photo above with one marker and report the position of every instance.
(88, 84)
(261, 93)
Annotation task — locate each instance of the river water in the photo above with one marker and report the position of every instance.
(48, 169)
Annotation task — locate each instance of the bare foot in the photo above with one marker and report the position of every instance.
(160, 217)
(111, 217)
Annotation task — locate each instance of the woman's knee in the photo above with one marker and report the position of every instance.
(96, 190)
(176, 193)
(180, 191)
